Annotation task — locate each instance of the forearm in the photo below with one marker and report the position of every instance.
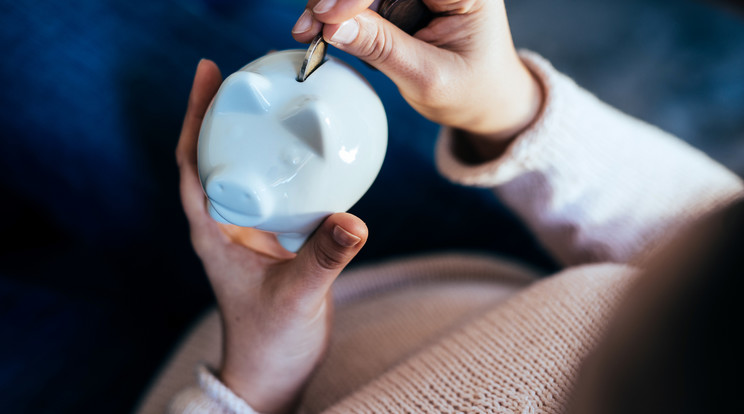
(594, 184)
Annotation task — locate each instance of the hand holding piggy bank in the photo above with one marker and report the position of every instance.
(281, 155)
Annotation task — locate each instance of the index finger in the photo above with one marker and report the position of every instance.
(330, 12)
(338, 11)
(206, 82)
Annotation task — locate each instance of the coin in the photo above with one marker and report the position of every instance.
(409, 15)
(314, 57)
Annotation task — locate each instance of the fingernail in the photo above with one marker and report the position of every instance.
(344, 238)
(323, 6)
(303, 23)
(346, 33)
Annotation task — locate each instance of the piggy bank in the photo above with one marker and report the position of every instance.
(281, 155)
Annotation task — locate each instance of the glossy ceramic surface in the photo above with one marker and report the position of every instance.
(281, 155)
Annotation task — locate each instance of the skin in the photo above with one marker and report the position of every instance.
(461, 71)
(275, 305)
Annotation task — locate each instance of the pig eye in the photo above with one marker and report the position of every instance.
(292, 159)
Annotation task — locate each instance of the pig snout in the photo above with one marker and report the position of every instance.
(241, 201)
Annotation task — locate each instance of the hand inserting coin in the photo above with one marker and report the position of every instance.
(279, 152)
(409, 15)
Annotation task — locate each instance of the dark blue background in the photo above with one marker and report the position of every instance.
(97, 277)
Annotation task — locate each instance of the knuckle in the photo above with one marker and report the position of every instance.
(377, 45)
(329, 258)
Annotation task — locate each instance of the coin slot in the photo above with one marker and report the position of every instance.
(314, 58)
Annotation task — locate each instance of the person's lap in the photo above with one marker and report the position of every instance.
(383, 314)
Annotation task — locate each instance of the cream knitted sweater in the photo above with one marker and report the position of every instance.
(464, 333)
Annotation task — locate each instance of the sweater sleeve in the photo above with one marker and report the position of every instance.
(592, 183)
(212, 396)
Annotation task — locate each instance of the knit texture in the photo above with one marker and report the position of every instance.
(385, 312)
(212, 396)
(521, 357)
(594, 185)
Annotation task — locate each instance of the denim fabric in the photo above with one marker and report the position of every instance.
(97, 277)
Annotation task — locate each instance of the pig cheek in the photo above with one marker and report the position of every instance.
(300, 188)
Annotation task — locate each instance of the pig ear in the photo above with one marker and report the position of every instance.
(243, 92)
(307, 119)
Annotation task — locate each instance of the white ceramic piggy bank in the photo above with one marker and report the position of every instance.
(280, 155)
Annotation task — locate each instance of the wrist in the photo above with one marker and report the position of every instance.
(504, 117)
(268, 366)
(261, 394)
(256, 375)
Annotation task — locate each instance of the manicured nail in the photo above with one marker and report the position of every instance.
(346, 33)
(303, 23)
(344, 238)
(323, 6)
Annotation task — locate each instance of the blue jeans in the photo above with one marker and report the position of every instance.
(97, 276)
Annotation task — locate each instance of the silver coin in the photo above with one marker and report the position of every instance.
(314, 57)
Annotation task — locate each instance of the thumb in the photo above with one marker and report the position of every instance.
(329, 250)
(409, 62)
